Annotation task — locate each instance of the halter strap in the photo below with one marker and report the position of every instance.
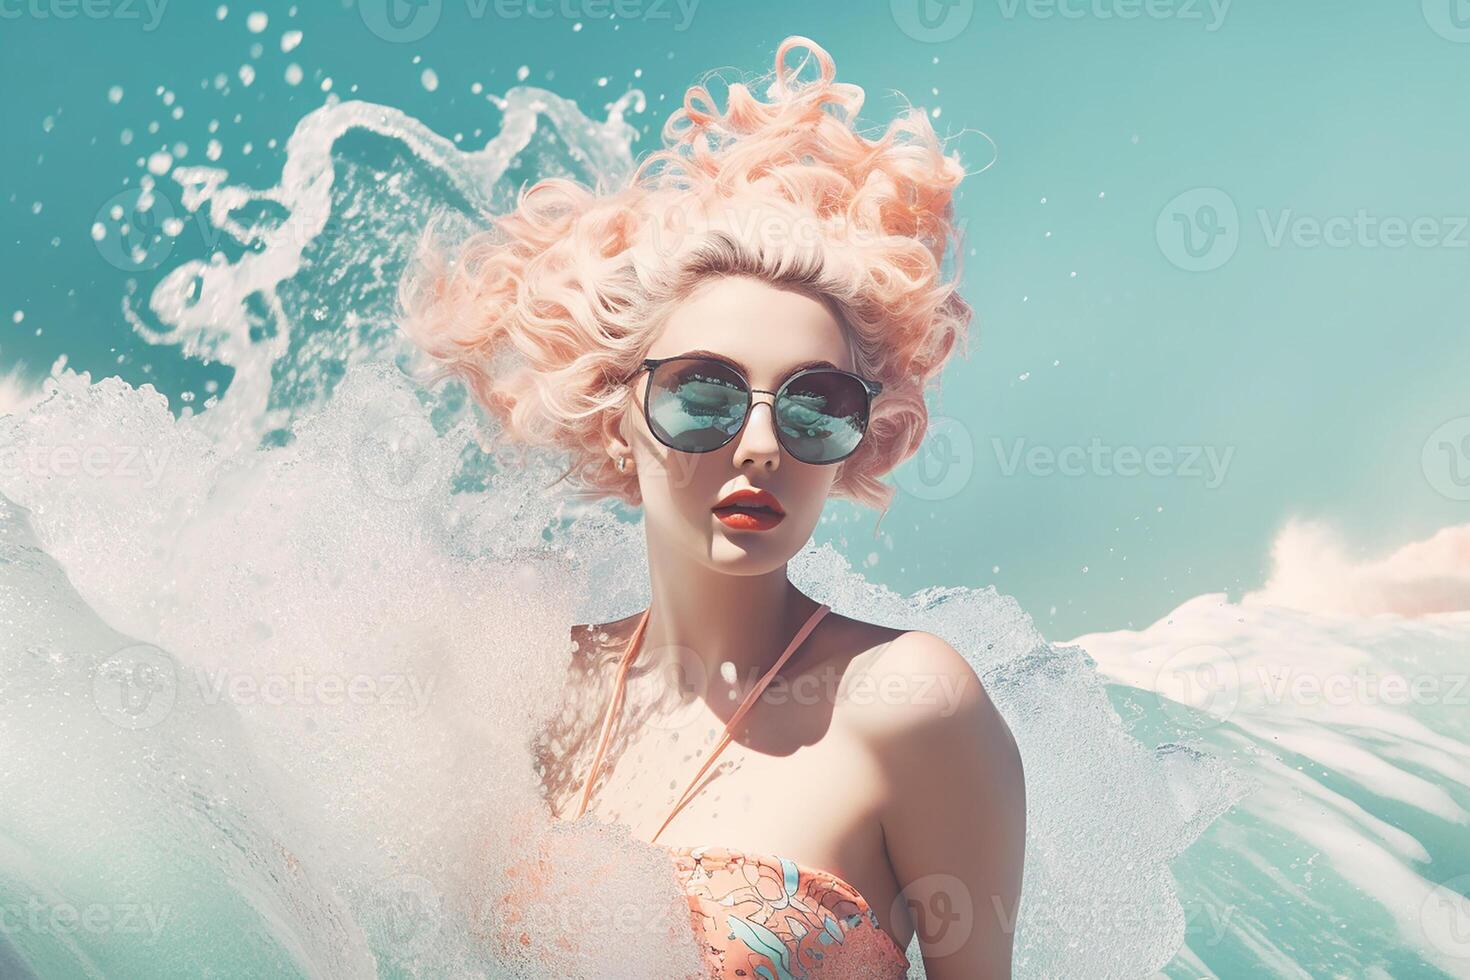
(726, 737)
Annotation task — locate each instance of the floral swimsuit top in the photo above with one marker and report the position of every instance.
(765, 916)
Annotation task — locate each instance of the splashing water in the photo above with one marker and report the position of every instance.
(270, 673)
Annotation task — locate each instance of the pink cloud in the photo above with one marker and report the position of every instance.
(1313, 570)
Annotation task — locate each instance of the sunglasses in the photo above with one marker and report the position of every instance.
(697, 404)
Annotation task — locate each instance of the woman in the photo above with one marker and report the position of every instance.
(745, 329)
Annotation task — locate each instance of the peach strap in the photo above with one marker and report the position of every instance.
(612, 708)
(725, 738)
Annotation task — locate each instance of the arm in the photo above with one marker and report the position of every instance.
(955, 820)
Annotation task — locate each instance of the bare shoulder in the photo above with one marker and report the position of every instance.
(925, 699)
(909, 667)
(956, 806)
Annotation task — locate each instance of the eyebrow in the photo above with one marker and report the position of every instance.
(745, 371)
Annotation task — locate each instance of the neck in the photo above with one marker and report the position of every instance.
(712, 621)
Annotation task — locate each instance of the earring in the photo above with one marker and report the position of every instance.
(622, 463)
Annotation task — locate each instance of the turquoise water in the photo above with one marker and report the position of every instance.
(322, 837)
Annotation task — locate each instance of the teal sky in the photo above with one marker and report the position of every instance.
(1264, 204)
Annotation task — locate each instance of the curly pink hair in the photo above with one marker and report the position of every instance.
(577, 285)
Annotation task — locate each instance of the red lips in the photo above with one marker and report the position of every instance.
(751, 497)
(749, 509)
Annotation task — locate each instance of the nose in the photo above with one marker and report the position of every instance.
(757, 442)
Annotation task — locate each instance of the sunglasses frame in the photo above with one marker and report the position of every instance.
(651, 364)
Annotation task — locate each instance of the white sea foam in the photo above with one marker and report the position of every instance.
(1354, 723)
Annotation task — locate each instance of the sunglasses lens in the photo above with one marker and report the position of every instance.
(823, 415)
(696, 406)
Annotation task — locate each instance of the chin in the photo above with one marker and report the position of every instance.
(747, 553)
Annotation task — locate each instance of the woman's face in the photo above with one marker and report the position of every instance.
(768, 332)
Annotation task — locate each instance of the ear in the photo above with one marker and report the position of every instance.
(614, 421)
